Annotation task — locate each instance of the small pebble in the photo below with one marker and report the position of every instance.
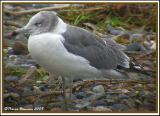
(119, 107)
(101, 108)
(99, 89)
(82, 104)
(123, 96)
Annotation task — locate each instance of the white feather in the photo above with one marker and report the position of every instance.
(48, 50)
(61, 27)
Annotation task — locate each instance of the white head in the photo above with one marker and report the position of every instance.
(44, 21)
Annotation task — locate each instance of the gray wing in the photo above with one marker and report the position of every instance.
(100, 54)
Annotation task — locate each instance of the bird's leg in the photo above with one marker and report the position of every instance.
(64, 94)
(69, 90)
(67, 93)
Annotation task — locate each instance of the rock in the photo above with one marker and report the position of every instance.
(123, 96)
(25, 66)
(125, 91)
(80, 95)
(150, 45)
(43, 88)
(99, 92)
(11, 78)
(36, 90)
(20, 48)
(99, 103)
(129, 102)
(101, 108)
(8, 50)
(12, 57)
(39, 103)
(13, 95)
(99, 96)
(138, 102)
(119, 107)
(82, 104)
(137, 37)
(114, 31)
(110, 101)
(53, 105)
(99, 89)
(108, 96)
(27, 91)
(5, 51)
(153, 46)
(136, 47)
(139, 86)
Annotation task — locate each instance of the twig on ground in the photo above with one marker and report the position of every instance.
(29, 74)
(54, 8)
(11, 23)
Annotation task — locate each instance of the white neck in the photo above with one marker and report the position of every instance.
(61, 27)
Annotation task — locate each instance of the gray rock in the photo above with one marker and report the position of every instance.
(123, 96)
(114, 31)
(99, 103)
(80, 95)
(138, 102)
(12, 57)
(53, 105)
(99, 89)
(119, 107)
(136, 47)
(27, 91)
(25, 66)
(11, 78)
(110, 101)
(13, 95)
(101, 108)
(36, 90)
(129, 102)
(82, 104)
(39, 103)
(109, 97)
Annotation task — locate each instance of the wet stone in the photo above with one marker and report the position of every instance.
(99, 89)
(119, 107)
(101, 108)
(82, 104)
(123, 96)
(129, 102)
(110, 101)
(99, 103)
(80, 95)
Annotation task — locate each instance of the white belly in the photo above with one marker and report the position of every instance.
(48, 50)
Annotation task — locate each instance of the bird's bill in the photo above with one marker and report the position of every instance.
(22, 30)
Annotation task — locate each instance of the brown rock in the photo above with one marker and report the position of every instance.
(20, 48)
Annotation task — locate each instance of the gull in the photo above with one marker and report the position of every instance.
(70, 51)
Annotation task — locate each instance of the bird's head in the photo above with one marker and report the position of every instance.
(44, 21)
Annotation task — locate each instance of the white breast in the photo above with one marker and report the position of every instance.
(48, 50)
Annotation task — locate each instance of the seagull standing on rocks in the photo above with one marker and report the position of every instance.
(72, 52)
